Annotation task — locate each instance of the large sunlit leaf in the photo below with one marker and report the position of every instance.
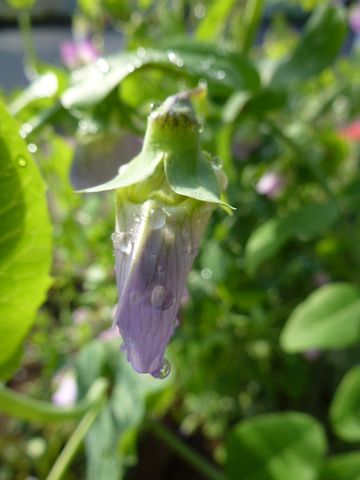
(224, 72)
(328, 318)
(308, 221)
(25, 239)
(342, 467)
(345, 408)
(318, 46)
(276, 447)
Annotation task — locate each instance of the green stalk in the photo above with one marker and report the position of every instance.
(197, 461)
(250, 22)
(30, 56)
(64, 459)
(20, 406)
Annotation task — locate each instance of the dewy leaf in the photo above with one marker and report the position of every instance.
(328, 318)
(25, 238)
(345, 408)
(342, 467)
(310, 220)
(224, 71)
(318, 47)
(276, 447)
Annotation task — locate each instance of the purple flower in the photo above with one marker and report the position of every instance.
(354, 19)
(155, 246)
(76, 54)
(66, 390)
(270, 184)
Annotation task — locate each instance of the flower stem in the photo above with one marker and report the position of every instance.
(188, 454)
(25, 408)
(74, 442)
(30, 57)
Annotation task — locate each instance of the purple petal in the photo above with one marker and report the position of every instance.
(155, 248)
(270, 184)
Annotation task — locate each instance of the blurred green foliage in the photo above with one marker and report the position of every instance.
(265, 358)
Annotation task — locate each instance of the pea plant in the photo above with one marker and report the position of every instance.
(179, 245)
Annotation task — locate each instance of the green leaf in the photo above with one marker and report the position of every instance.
(276, 447)
(25, 239)
(195, 179)
(342, 467)
(317, 49)
(308, 221)
(328, 318)
(224, 72)
(140, 168)
(345, 407)
(98, 157)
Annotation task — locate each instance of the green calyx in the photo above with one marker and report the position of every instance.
(171, 164)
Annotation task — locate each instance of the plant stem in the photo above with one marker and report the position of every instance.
(250, 22)
(188, 454)
(30, 57)
(25, 408)
(64, 459)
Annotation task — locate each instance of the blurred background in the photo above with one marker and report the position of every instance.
(268, 342)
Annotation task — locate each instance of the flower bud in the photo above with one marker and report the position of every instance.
(165, 197)
(155, 247)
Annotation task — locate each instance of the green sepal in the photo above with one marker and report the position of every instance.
(138, 169)
(192, 177)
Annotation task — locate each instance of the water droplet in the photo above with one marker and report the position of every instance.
(141, 52)
(135, 298)
(172, 57)
(206, 64)
(217, 162)
(165, 369)
(190, 250)
(206, 273)
(32, 147)
(103, 65)
(21, 162)
(220, 75)
(137, 218)
(200, 10)
(162, 298)
(122, 242)
(130, 68)
(25, 129)
(157, 218)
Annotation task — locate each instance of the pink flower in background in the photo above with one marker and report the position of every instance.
(352, 131)
(271, 184)
(76, 54)
(321, 278)
(354, 19)
(312, 355)
(109, 334)
(66, 390)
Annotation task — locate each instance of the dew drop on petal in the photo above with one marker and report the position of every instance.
(135, 298)
(137, 219)
(165, 369)
(162, 298)
(122, 242)
(157, 218)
